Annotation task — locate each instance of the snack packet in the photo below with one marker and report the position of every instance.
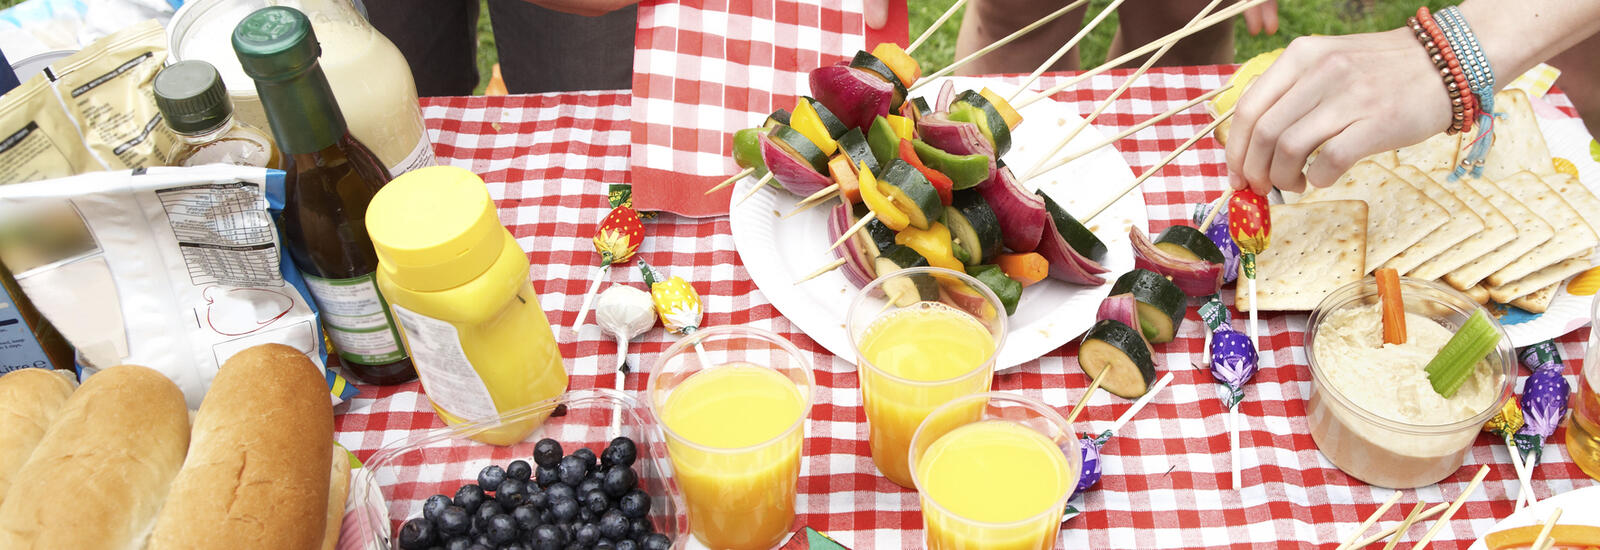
(176, 268)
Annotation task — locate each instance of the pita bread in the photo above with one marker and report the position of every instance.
(1433, 154)
(1572, 235)
(1317, 247)
(1539, 301)
(1518, 143)
(1577, 195)
(1497, 231)
(1463, 224)
(1531, 229)
(1533, 283)
(1398, 215)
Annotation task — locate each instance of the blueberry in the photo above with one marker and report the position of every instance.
(639, 528)
(526, 516)
(512, 493)
(547, 475)
(560, 491)
(657, 541)
(480, 546)
(572, 470)
(547, 537)
(454, 520)
(613, 526)
(469, 497)
(480, 519)
(590, 461)
(514, 546)
(576, 546)
(417, 534)
(588, 534)
(458, 543)
(620, 452)
(519, 470)
(634, 505)
(502, 529)
(547, 452)
(585, 515)
(627, 544)
(482, 539)
(619, 481)
(591, 483)
(490, 476)
(537, 498)
(564, 509)
(435, 505)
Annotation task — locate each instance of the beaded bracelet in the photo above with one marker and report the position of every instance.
(1460, 99)
(1456, 79)
(1481, 75)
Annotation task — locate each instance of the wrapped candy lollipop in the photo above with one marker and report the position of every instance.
(616, 239)
(1250, 225)
(676, 301)
(1544, 399)
(1090, 448)
(624, 312)
(1505, 425)
(1217, 231)
(1233, 362)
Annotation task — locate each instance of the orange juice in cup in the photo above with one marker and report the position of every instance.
(923, 337)
(994, 471)
(733, 402)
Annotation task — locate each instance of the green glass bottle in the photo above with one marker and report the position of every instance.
(331, 177)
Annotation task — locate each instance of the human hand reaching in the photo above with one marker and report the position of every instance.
(877, 13)
(1263, 17)
(1344, 97)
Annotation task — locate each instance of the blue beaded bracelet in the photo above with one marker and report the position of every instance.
(1481, 79)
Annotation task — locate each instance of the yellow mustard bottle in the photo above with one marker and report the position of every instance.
(458, 284)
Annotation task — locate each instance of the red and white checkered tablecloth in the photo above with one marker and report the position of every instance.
(549, 159)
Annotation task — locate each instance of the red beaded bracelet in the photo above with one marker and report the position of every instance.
(1469, 102)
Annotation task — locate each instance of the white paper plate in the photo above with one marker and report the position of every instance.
(1577, 508)
(1051, 313)
(1568, 139)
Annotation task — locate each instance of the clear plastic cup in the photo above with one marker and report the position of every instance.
(896, 403)
(1021, 438)
(1583, 432)
(737, 468)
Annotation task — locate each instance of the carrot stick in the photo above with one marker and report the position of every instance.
(1394, 310)
(1027, 268)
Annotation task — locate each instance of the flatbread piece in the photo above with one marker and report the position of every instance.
(1497, 231)
(1531, 229)
(1533, 283)
(1316, 248)
(1577, 195)
(1462, 225)
(1538, 301)
(1572, 235)
(1398, 215)
(1518, 143)
(1433, 154)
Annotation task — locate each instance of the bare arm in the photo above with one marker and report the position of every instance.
(589, 8)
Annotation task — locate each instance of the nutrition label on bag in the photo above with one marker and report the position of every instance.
(225, 234)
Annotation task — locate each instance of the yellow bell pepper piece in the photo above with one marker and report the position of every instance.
(1013, 118)
(880, 203)
(806, 121)
(904, 67)
(903, 126)
(932, 243)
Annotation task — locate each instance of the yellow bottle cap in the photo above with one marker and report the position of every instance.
(435, 228)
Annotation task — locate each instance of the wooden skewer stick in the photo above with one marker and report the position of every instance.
(1462, 499)
(1411, 519)
(1163, 164)
(822, 194)
(1146, 123)
(730, 180)
(1105, 103)
(1083, 401)
(1544, 533)
(1370, 520)
(1082, 32)
(998, 43)
(760, 183)
(857, 227)
(935, 26)
(1175, 36)
(824, 269)
(1392, 529)
(1212, 215)
(1524, 478)
(807, 207)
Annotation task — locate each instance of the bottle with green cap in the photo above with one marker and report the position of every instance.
(330, 179)
(194, 102)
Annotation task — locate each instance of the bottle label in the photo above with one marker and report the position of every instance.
(357, 319)
(421, 156)
(447, 376)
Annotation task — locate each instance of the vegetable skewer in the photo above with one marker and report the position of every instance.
(1128, 83)
(1158, 166)
(1001, 42)
(1370, 520)
(935, 26)
(731, 179)
(1448, 513)
(1146, 123)
(1082, 32)
(755, 188)
(1175, 36)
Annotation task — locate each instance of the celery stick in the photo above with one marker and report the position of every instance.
(1450, 368)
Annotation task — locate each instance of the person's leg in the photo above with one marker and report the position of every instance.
(1141, 23)
(989, 20)
(543, 50)
(438, 38)
(1580, 79)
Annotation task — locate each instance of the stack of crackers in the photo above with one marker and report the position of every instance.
(1512, 236)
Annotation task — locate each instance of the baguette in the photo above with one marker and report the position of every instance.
(30, 400)
(338, 492)
(97, 479)
(257, 473)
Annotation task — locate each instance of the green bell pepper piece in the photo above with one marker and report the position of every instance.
(1008, 290)
(966, 171)
(883, 141)
(747, 150)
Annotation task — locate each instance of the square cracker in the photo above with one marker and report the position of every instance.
(1497, 231)
(1316, 248)
(1433, 154)
(1572, 235)
(1518, 143)
(1577, 195)
(1398, 215)
(1538, 301)
(1537, 281)
(1463, 223)
(1531, 229)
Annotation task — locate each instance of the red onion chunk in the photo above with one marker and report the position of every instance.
(854, 95)
(794, 175)
(1065, 263)
(857, 269)
(954, 137)
(1123, 308)
(1193, 277)
(1022, 214)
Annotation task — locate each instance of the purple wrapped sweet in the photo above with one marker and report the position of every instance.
(1544, 403)
(1233, 363)
(1218, 232)
(1091, 463)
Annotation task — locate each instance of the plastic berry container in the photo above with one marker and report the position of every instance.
(395, 482)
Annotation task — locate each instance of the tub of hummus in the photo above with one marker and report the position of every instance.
(1372, 410)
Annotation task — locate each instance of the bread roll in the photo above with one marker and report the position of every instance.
(97, 479)
(30, 399)
(338, 491)
(257, 471)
